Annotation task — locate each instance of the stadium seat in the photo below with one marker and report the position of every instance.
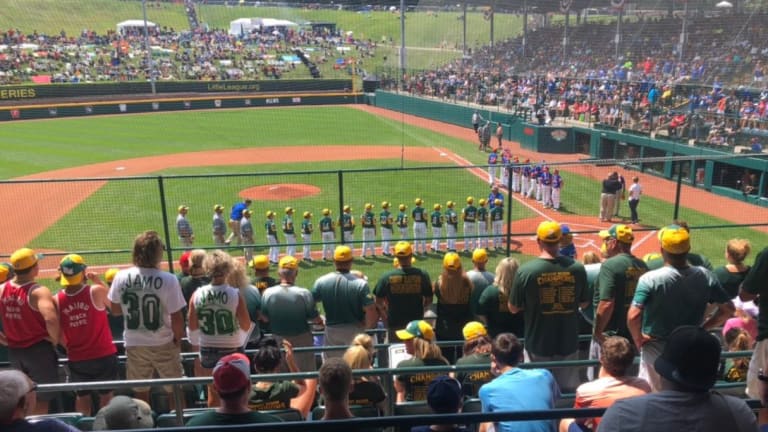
(288, 415)
(357, 411)
(472, 406)
(69, 418)
(85, 424)
(169, 419)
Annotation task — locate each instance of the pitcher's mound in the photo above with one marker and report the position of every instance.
(280, 191)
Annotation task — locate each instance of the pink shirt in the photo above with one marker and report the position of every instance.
(603, 392)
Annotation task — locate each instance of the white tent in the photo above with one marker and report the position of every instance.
(246, 25)
(133, 24)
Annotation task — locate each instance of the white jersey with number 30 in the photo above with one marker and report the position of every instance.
(216, 309)
(148, 297)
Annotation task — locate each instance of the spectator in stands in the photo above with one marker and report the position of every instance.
(232, 382)
(688, 367)
(218, 318)
(755, 146)
(479, 277)
(153, 319)
(30, 324)
(123, 413)
(695, 259)
(492, 309)
(18, 397)
(85, 330)
(6, 272)
(754, 287)
(452, 290)
(736, 368)
(262, 280)
(551, 322)
(613, 383)
(419, 342)
(365, 390)
(275, 395)
(196, 276)
(184, 265)
(444, 396)
(238, 278)
(347, 301)
(335, 382)
(477, 351)
(732, 274)
(674, 295)
(516, 389)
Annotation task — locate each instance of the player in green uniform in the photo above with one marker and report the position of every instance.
(497, 223)
(347, 224)
(402, 221)
(368, 220)
(549, 291)
(482, 225)
(436, 219)
(290, 232)
(327, 234)
(451, 226)
(271, 228)
(385, 221)
(306, 235)
(469, 216)
(419, 227)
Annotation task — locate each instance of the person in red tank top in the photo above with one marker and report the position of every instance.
(30, 324)
(92, 354)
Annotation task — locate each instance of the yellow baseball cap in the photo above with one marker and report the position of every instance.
(247, 213)
(416, 328)
(307, 215)
(326, 211)
(342, 254)
(270, 213)
(6, 272)
(71, 268)
(218, 207)
(347, 208)
(368, 206)
(437, 207)
(470, 200)
(110, 274)
(482, 202)
(182, 207)
(497, 202)
(620, 232)
(450, 204)
(288, 210)
(474, 329)
(402, 207)
(452, 261)
(479, 255)
(384, 204)
(259, 262)
(288, 262)
(403, 249)
(418, 201)
(675, 239)
(24, 258)
(549, 232)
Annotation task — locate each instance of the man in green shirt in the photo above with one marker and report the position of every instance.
(479, 277)
(347, 301)
(549, 290)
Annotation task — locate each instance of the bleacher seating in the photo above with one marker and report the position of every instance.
(357, 410)
(85, 424)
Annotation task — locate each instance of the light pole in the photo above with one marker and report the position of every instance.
(148, 48)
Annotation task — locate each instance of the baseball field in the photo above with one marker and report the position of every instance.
(138, 166)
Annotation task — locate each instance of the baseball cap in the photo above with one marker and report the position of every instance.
(184, 259)
(218, 207)
(342, 254)
(437, 207)
(288, 262)
(444, 395)
(110, 274)
(270, 213)
(260, 262)
(326, 211)
(402, 207)
(347, 208)
(675, 239)
(565, 229)
(620, 232)
(417, 328)
(124, 412)
(549, 232)
(403, 248)
(307, 215)
(72, 267)
(6, 271)
(418, 201)
(232, 373)
(368, 206)
(450, 204)
(247, 213)
(288, 210)
(452, 261)
(479, 255)
(497, 202)
(24, 258)
(474, 329)
(384, 204)
(482, 202)
(183, 207)
(691, 358)
(470, 200)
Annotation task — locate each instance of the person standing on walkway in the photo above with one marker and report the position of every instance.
(327, 234)
(385, 222)
(634, 198)
(289, 230)
(219, 226)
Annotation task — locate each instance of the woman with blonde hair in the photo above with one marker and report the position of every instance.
(365, 390)
(239, 279)
(477, 351)
(732, 274)
(453, 290)
(418, 337)
(492, 306)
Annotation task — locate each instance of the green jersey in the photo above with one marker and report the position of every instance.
(306, 226)
(344, 297)
(271, 228)
(368, 220)
(288, 225)
(471, 381)
(347, 222)
(402, 219)
(617, 281)
(497, 213)
(482, 214)
(418, 215)
(385, 219)
(493, 306)
(436, 219)
(469, 214)
(405, 290)
(451, 217)
(326, 224)
(730, 281)
(549, 292)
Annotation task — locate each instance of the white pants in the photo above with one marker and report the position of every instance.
(515, 181)
(470, 236)
(290, 244)
(386, 237)
(531, 187)
(329, 239)
(247, 250)
(450, 232)
(349, 238)
(307, 238)
(556, 198)
(504, 177)
(437, 234)
(369, 239)
(491, 174)
(546, 195)
(234, 225)
(498, 228)
(538, 190)
(274, 249)
(648, 355)
(482, 232)
(420, 237)
(185, 242)
(218, 239)
(403, 232)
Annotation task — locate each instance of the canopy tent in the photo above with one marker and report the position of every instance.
(243, 26)
(129, 25)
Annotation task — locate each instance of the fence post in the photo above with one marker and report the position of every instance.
(678, 189)
(164, 209)
(341, 203)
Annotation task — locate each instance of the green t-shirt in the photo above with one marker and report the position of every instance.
(344, 296)
(471, 381)
(364, 393)
(617, 281)
(493, 306)
(549, 292)
(436, 219)
(755, 283)
(673, 297)
(288, 309)
(405, 290)
(212, 418)
(418, 214)
(452, 310)
(730, 281)
(469, 214)
(416, 385)
(275, 397)
(385, 219)
(480, 281)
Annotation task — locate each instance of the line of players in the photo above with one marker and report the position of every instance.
(482, 227)
(528, 178)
